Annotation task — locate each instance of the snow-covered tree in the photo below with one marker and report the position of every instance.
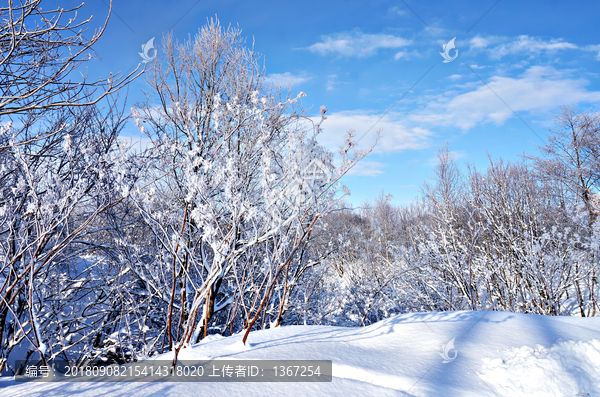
(41, 47)
(237, 183)
(57, 151)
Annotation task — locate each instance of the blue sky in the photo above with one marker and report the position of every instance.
(517, 63)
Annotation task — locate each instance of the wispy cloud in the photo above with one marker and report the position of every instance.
(594, 48)
(498, 47)
(400, 54)
(288, 78)
(367, 168)
(396, 134)
(454, 155)
(479, 42)
(538, 89)
(331, 82)
(407, 54)
(530, 45)
(396, 11)
(357, 44)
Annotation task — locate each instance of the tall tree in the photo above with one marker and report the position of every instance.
(572, 155)
(239, 183)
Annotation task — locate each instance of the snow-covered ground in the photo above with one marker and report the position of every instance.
(496, 354)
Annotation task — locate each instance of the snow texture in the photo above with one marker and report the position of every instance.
(497, 354)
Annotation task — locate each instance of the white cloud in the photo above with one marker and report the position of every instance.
(538, 89)
(357, 44)
(455, 77)
(594, 48)
(396, 11)
(454, 155)
(529, 45)
(399, 55)
(367, 168)
(479, 42)
(499, 46)
(396, 134)
(331, 82)
(288, 78)
(407, 55)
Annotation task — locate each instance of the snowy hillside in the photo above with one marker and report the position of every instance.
(497, 354)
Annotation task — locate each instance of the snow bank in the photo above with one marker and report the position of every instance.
(491, 354)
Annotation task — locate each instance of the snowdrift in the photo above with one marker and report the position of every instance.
(479, 353)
